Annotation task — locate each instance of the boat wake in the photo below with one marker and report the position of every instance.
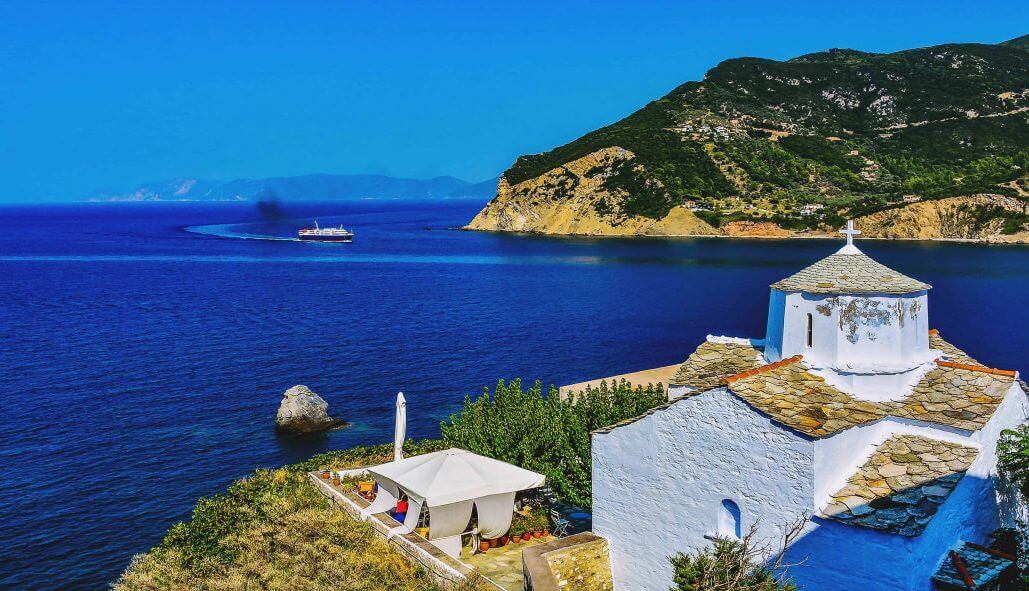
(236, 231)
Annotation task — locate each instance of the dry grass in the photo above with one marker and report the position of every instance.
(282, 536)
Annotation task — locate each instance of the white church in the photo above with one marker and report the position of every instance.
(850, 417)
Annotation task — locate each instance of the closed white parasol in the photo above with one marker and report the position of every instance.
(400, 427)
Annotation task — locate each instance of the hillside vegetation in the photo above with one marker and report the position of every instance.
(274, 531)
(803, 143)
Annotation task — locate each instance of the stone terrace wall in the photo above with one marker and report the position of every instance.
(576, 563)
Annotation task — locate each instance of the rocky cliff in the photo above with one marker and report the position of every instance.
(769, 148)
(975, 217)
(575, 199)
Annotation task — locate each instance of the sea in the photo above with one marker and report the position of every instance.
(144, 347)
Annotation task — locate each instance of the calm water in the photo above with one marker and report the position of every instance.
(145, 347)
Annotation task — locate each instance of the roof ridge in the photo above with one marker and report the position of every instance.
(764, 368)
(990, 370)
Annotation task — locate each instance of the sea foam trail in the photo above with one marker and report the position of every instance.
(227, 231)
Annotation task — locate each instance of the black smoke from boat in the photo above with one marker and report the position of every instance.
(270, 206)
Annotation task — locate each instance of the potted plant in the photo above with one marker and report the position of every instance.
(541, 525)
(504, 539)
(336, 480)
(493, 542)
(483, 546)
(325, 474)
(518, 527)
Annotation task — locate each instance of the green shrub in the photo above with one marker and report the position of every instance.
(542, 432)
(725, 565)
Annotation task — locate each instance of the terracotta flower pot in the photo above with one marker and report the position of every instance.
(493, 543)
(516, 539)
(537, 534)
(483, 546)
(504, 540)
(526, 536)
(325, 475)
(336, 481)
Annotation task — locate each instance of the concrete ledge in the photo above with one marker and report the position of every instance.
(538, 565)
(444, 569)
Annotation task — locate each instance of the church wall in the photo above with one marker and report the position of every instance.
(857, 330)
(774, 328)
(824, 329)
(659, 483)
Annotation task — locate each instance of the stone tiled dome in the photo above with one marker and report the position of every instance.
(850, 274)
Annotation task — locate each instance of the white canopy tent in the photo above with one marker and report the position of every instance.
(450, 483)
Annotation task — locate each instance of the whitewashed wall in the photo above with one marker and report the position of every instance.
(658, 483)
(870, 344)
(857, 330)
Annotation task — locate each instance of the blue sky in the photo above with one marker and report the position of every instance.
(107, 95)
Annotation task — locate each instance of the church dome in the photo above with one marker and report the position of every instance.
(864, 325)
(850, 273)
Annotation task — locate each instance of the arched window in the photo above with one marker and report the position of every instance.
(729, 520)
(810, 330)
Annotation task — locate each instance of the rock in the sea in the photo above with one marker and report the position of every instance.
(302, 411)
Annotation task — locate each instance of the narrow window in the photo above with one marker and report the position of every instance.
(810, 327)
(729, 520)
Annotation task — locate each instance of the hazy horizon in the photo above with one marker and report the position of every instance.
(102, 97)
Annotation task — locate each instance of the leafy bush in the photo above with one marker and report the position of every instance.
(725, 565)
(1013, 450)
(542, 432)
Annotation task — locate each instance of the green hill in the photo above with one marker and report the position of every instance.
(844, 132)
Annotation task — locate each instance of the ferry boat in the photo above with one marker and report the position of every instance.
(317, 234)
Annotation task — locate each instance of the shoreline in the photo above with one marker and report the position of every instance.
(982, 241)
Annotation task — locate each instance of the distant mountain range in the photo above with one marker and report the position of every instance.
(311, 187)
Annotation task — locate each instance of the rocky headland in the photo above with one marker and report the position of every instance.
(922, 144)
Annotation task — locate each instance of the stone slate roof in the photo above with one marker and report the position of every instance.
(790, 394)
(952, 352)
(971, 566)
(847, 274)
(902, 485)
(953, 394)
(714, 361)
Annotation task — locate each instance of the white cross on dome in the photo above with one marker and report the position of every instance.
(850, 232)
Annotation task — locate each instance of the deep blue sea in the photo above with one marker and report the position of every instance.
(144, 347)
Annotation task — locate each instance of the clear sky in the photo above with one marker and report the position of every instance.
(106, 95)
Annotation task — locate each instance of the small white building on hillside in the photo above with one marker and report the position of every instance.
(849, 417)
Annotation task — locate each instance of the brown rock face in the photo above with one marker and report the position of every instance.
(572, 199)
(951, 218)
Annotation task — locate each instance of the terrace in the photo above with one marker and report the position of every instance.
(497, 562)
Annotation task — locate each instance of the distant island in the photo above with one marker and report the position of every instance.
(311, 187)
(927, 143)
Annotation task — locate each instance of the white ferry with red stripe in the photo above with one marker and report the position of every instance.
(318, 234)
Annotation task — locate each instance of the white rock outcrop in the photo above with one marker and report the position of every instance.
(302, 411)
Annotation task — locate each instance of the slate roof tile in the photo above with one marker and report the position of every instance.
(849, 274)
(713, 361)
(902, 485)
(958, 395)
